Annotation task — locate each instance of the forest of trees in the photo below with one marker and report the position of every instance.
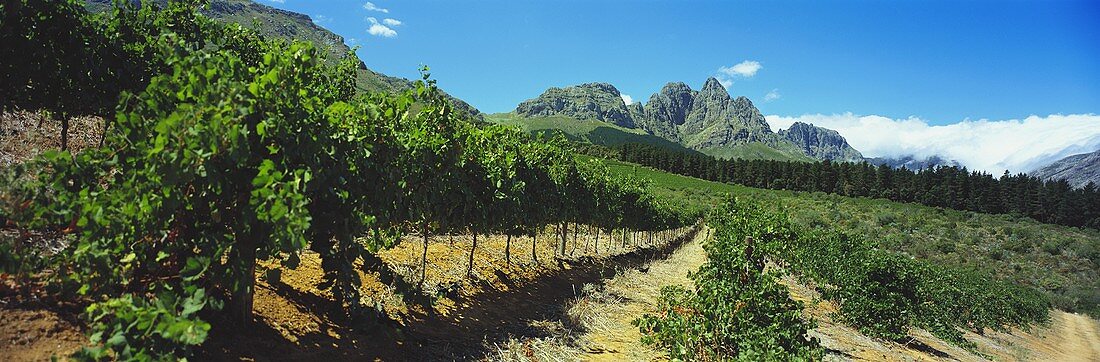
(1054, 202)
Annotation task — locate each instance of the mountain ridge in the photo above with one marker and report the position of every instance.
(707, 120)
(1079, 170)
(810, 138)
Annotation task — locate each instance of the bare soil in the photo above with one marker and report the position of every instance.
(1069, 337)
(36, 335)
(463, 319)
(579, 309)
(610, 335)
(24, 134)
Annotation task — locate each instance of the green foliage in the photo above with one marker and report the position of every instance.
(884, 294)
(238, 149)
(583, 130)
(1010, 247)
(199, 188)
(737, 311)
(948, 187)
(758, 151)
(46, 44)
(164, 326)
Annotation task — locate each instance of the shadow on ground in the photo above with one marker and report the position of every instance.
(477, 323)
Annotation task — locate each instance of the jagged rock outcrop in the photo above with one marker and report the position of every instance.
(706, 118)
(711, 105)
(667, 109)
(749, 116)
(1078, 170)
(599, 101)
(712, 119)
(637, 112)
(820, 143)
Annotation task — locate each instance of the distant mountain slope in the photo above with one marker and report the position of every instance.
(599, 101)
(708, 120)
(820, 142)
(590, 131)
(278, 23)
(757, 151)
(1079, 170)
(912, 162)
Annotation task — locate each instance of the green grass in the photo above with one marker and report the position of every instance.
(688, 191)
(756, 151)
(587, 131)
(1063, 262)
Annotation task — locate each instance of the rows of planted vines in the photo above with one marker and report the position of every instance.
(739, 311)
(237, 149)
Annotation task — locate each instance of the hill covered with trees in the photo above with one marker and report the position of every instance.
(951, 187)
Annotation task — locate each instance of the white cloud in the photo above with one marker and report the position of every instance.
(992, 146)
(278, 1)
(391, 22)
(377, 29)
(627, 99)
(773, 95)
(320, 19)
(371, 7)
(745, 69)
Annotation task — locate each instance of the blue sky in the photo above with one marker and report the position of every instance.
(942, 61)
(994, 85)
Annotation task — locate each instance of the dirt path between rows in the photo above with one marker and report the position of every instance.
(1081, 338)
(611, 336)
(596, 325)
(470, 329)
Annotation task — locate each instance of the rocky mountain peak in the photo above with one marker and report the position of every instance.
(600, 87)
(713, 89)
(820, 143)
(675, 89)
(742, 101)
(708, 119)
(748, 115)
(666, 110)
(598, 101)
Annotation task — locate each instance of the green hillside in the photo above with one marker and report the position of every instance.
(281, 24)
(585, 131)
(1061, 261)
(756, 151)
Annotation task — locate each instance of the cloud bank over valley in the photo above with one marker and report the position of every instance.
(1016, 145)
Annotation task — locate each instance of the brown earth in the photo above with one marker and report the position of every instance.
(36, 335)
(24, 135)
(1069, 337)
(297, 321)
(610, 336)
(597, 325)
(579, 310)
